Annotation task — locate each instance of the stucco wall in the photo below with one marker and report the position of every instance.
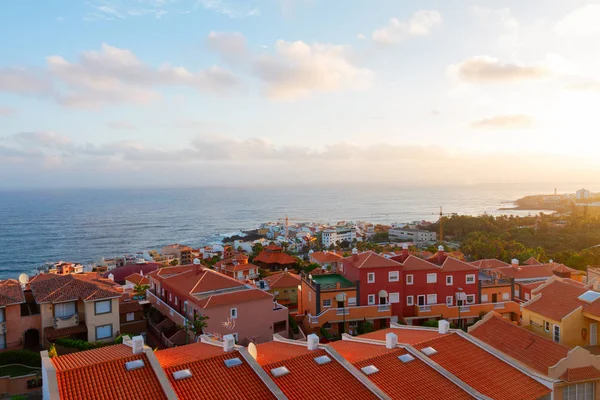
(92, 320)
(17, 325)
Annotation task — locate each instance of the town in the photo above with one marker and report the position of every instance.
(389, 320)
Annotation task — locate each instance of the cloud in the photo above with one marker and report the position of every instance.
(514, 121)
(484, 69)
(582, 21)
(297, 69)
(120, 125)
(420, 24)
(360, 36)
(238, 10)
(24, 81)
(7, 111)
(230, 45)
(501, 18)
(590, 85)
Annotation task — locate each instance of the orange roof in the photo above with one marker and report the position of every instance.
(137, 279)
(413, 263)
(210, 375)
(240, 296)
(557, 300)
(307, 379)
(50, 288)
(273, 255)
(535, 351)
(526, 272)
(490, 263)
(412, 380)
(452, 265)
(11, 293)
(283, 280)
(326, 256)
(580, 374)
(532, 285)
(370, 259)
(405, 335)
(483, 371)
(532, 261)
(101, 374)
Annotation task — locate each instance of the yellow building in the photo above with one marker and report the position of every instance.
(283, 286)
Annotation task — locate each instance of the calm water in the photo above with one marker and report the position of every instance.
(85, 225)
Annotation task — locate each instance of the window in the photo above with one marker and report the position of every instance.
(185, 306)
(293, 290)
(449, 280)
(284, 290)
(309, 296)
(233, 313)
(505, 296)
(556, 334)
(527, 296)
(103, 331)
(2, 315)
(517, 293)
(130, 316)
(176, 300)
(371, 277)
(484, 298)
(170, 297)
(470, 298)
(409, 279)
(432, 278)
(394, 297)
(162, 292)
(371, 299)
(470, 278)
(410, 300)
(580, 391)
(449, 300)
(393, 276)
(327, 303)
(327, 325)
(65, 310)
(2, 341)
(103, 307)
(547, 326)
(432, 299)
(353, 324)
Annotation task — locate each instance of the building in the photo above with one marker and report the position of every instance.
(336, 236)
(120, 274)
(414, 235)
(137, 279)
(181, 293)
(131, 317)
(84, 305)
(180, 252)
(64, 268)
(283, 286)
(273, 258)
(326, 259)
(20, 321)
(237, 267)
(582, 194)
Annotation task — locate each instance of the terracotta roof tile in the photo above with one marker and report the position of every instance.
(535, 351)
(121, 273)
(370, 259)
(490, 263)
(580, 374)
(137, 279)
(273, 352)
(452, 264)
(50, 288)
(274, 255)
(283, 280)
(413, 263)
(240, 296)
(483, 371)
(326, 256)
(532, 261)
(405, 336)
(557, 300)
(50, 333)
(526, 272)
(11, 293)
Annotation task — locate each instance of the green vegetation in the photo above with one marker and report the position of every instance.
(174, 262)
(365, 327)
(79, 344)
(140, 290)
(17, 370)
(52, 351)
(294, 325)
(25, 357)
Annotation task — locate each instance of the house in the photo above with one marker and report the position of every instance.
(180, 252)
(332, 302)
(136, 279)
(131, 317)
(120, 274)
(273, 258)
(182, 293)
(338, 235)
(79, 305)
(238, 267)
(20, 321)
(283, 286)
(326, 259)
(64, 268)
(582, 194)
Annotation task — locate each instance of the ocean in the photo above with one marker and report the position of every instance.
(85, 225)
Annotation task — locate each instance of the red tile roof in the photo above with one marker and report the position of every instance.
(241, 296)
(526, 272)
(532, 261)
(405, 335)
(413, 263)
(452, 265)
(273, 352)
(50, 288)
(580, 374)
(557, 300)
(412, 380)
(274, 255)
(11, 293)
(138, 279)
(535, 351)
(120, 273)
(101, 374)
(483, 371)
(370, 259)
(50, 333)
(283, 280)
(491, 263)
(326, 256)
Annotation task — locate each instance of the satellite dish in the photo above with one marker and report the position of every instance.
(252, 350)
(24, 279)
(196, 261)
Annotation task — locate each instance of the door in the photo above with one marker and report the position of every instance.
(383, 300)
(494, 298)
(421, 300)
(593, 334)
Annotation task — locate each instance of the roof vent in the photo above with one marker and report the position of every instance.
(443, 327)
(281, 371)
(313, 341)
(135, 364)
(391, 340)
(228, 343)
(429, 351)
(233, 362)
(322, 360)
(406, 358)
(183, 374)
(590, 296)
(369, 370)
(440, 248)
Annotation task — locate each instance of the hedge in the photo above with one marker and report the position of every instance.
(78, 344)
(25, 357)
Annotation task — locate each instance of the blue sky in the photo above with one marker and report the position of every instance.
(180, 92)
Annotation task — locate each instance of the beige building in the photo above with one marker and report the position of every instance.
(180, 252)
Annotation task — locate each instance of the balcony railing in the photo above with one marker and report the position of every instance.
(466, 311)
(165, 309)
(350, 313)
(66, 322)
(383, 308)
(424, 308)
(342, 311)
(498, 305)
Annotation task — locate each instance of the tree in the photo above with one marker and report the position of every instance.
(174, 262)
(198, 324)
(140, 290)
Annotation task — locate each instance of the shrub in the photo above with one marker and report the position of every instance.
(294, 325)
(25, 357)
(119, 339)
(52, 351)
(431, 324)
(79, 344)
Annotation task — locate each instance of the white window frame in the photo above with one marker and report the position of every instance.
(351, 301)
(470, 277)
(130, 316)
(371, 299)
(449, 300)
(60, 305)
(170, 297)
(472, 297)
(393, 276)
(432, 277)
(555, 330)
(432, 296)
(505, 296)
(451, 282)
(326, 303)
(371, 277)
(580, 390)
(394, 298)
(410, 300)
(233, 313)
(517, 293)
(104, 337)
(410, 279)
(527, 296)
(309, 296)
(176, 302)
(101, 303)
(484, 298)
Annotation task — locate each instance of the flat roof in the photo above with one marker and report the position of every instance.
(331, 278)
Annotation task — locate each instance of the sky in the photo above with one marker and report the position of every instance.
(161, 93)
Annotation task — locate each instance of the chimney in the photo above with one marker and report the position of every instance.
(137, 344)
(405, 249)
(354, 254)
(228, 343)
(111, 277)
(515, 263)
(551, 261)
(443, 327)
(391, 340)
(313, 341)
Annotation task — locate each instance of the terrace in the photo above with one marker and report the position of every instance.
(466, 311)
(328, 282)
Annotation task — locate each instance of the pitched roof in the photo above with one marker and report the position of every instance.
(50, 288)
(411, 380)
(283, 280)
(138, 279)
(307, 379)
(490, 263)
(532, 261)
(535, 351)
(481, 370)
(326, 256)
(557, 300)
(526, 272)
(11, 293)
(274, 255)
(580, 374)
(412, 263)
(101, 374)
(452, 265)
(405, 335)
(120, 273)
(370, 259)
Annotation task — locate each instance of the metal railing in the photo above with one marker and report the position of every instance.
(154, 299)
(424, 308)
(342, 311)
(498, 305)
(383, 307)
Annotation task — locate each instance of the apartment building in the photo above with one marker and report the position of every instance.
(283, 286)
(65, 268)
(180, 252)
(336, 236)
(414, 235)
(326, 259)
(238, 267)
(20, 322)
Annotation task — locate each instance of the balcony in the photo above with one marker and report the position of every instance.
(466, 311)
(333, 315)
(165, 309)
(66, 322)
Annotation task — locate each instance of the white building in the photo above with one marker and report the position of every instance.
(582, 194)
(333, 236)
(414, 235)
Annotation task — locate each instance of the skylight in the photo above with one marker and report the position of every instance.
(183, 374)
(590, 296)
(429, 351)
(281, 371)
(136, 364)
(406, 358)
(369, 370)
(322, 360)
(233, 362)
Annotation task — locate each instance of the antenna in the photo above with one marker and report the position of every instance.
(441, 225)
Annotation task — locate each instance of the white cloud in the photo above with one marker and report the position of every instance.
(360, 36)
(484, 69)
(420, 24)
(510, 122)
(24, 81)
(232, 10)
(503, 19)
(583, 21)
(231, 45)
(120, 125)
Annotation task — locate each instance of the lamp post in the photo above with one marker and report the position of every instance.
(342, 298)
(460, 291)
